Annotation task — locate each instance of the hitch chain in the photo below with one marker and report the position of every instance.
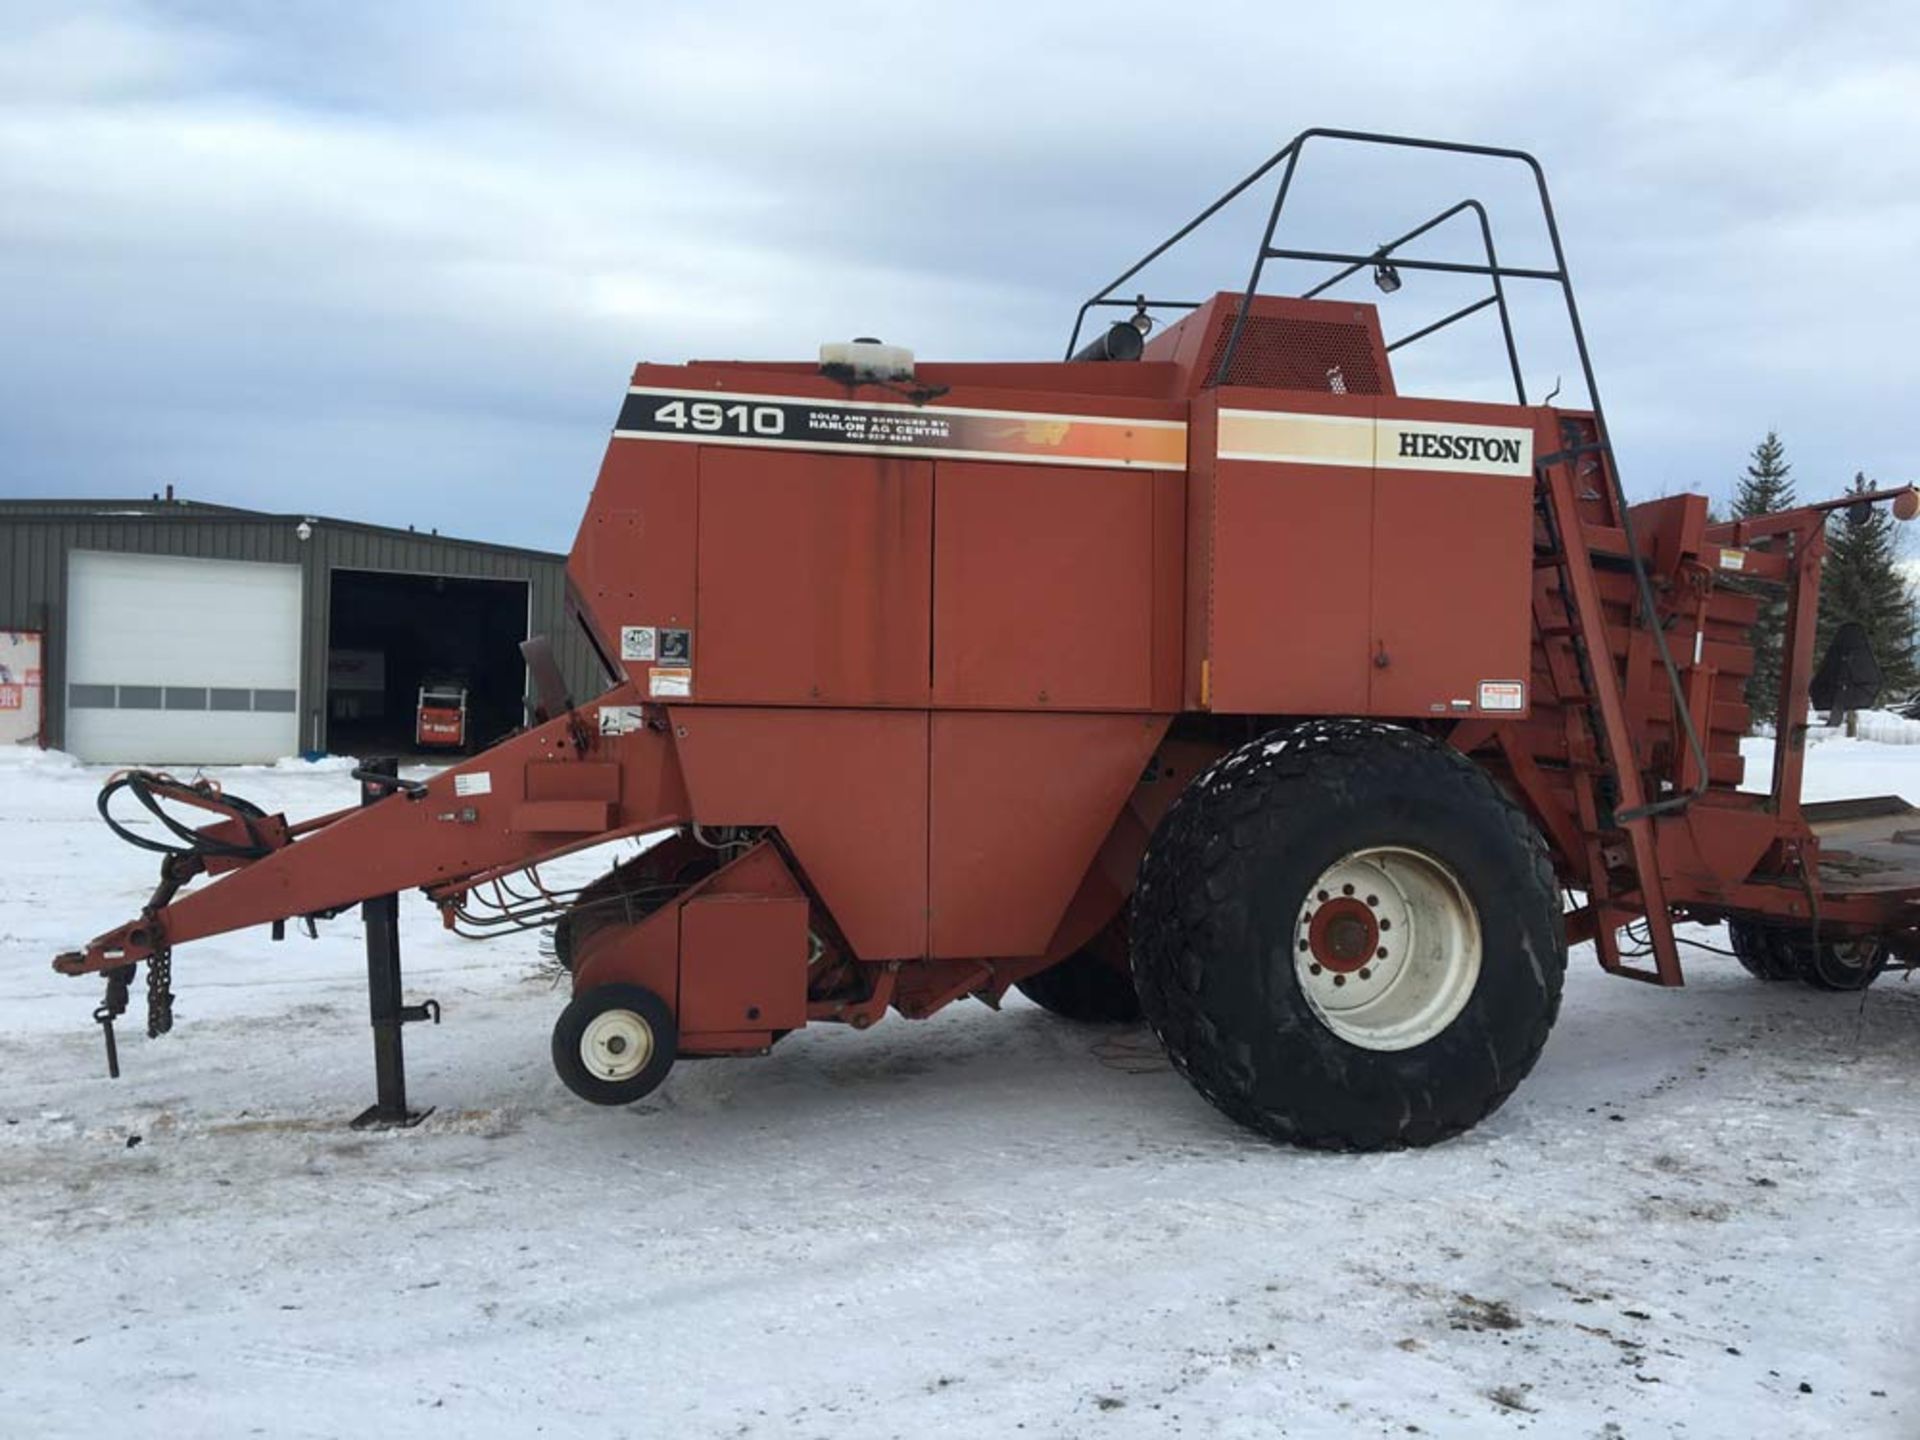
(159, 992)
(114, 1003)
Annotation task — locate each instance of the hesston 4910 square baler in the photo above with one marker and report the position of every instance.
(1208, 677)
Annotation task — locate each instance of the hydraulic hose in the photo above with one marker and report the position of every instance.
(142, 784)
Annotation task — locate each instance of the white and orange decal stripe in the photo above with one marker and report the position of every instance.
(796, 422)
(1361, 441)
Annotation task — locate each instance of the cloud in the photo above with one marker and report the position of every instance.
(395, 261)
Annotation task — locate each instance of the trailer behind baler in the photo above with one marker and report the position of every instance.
(1204, 673)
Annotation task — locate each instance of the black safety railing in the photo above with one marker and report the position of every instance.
(1287, 161)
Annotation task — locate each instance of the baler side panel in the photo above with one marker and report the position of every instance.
(847, 790)
(633, 560)
(1292, 587)
(814, 578)
(1021, 804)
(1452, 578)
(1293, 571)
(743, 965)
(1043, 587)
(1291, 584)
(1346, 582)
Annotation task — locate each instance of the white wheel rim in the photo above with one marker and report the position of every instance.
(1387, 948)
(616, 1045)
(1854, 954)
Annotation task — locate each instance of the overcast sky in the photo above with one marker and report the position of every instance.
(393, 261)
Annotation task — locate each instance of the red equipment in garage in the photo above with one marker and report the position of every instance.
(1207, 675)
(440, 717)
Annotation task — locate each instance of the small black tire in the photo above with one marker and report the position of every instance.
(614, 1044)
(1762, 951)
(1222, 916)
(1085, 987)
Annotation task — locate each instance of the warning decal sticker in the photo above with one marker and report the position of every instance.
(670, 682)
(637, 642)
(1507, 695)
(619, 719)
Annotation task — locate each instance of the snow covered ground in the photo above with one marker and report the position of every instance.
(1695, 1218)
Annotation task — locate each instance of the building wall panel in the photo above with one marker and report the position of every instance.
(37, 536)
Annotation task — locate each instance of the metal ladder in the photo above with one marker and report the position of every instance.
(1624, 881)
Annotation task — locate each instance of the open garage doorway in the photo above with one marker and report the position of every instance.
(391, 636)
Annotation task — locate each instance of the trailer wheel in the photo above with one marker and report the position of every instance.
(614, 1044)
(1777, 952)
(1762, 951)
(1085, 987)
(1348, 938)
(1851, 964)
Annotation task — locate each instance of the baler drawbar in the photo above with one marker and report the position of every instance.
(1201, 676)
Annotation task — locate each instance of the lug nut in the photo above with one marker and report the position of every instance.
(1339, 979)
(1373, 902)
(1381, 953)
(1346, 889)
(1313, 969)
(1365, 973)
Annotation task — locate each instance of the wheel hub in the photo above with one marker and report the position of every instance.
(616, 1044)
(1387, 948)
(1343, 935)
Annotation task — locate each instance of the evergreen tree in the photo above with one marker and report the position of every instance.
(1766, 487)
(1862, 582)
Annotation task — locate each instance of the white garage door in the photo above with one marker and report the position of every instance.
(177, 661)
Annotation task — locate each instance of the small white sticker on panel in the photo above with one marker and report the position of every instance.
(638, 642)
(619, 719)
(670, 682)
(479, 782)
(1503, 695)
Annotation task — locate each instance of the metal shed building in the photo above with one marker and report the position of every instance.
(170, 631)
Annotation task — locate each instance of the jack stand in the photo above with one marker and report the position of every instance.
(379, 779)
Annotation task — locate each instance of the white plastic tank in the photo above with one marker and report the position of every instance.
(866, 359)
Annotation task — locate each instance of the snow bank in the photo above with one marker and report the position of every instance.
(32, 757)
(1885, 727)
(318, 765)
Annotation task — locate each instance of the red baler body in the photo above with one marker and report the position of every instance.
(914, 667)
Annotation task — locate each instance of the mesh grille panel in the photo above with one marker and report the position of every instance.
(1284, 353)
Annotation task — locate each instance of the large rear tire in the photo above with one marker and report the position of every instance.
(1348, 938)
